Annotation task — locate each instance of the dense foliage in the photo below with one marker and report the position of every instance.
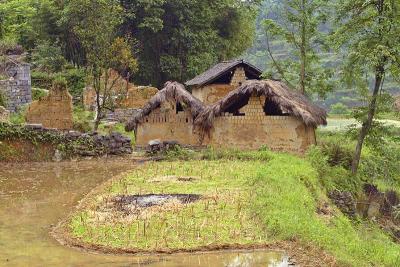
(174, 39)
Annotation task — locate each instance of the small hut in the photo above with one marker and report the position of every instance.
(261, 113)
(222, 78)
(168, 116)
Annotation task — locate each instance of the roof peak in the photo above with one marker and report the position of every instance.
(219, 69)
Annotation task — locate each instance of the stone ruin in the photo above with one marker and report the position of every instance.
(52, 111)
(17, 87)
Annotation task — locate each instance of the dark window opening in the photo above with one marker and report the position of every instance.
(179, 107)
(224, 79)
(273, 109)
(235, 107)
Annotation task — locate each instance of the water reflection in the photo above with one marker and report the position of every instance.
(35, 196)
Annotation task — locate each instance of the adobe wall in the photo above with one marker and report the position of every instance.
(165, 124)
(52, 111)
(137, 97)
(210, 94)
(255, 129)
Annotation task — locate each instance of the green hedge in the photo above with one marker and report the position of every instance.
(75, 79)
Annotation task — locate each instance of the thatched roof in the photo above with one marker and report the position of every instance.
(172, 92)
(222, 68)
(292, 102)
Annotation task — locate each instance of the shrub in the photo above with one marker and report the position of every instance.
(38, 93)
(3, 100)
(340, 109)
(82, 120)
(333, 177)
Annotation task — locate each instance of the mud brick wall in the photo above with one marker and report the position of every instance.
(4, 114)
(239, 76)
(17, 89)
(255, 129)
(165, 124)
(137, 97)
(210, 94)
(52, 111)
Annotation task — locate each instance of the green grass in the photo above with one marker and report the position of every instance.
(221, 217)
(246, 202)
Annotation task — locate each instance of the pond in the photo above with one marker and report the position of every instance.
(36, 196)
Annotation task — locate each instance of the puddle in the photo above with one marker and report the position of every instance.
(36, 196)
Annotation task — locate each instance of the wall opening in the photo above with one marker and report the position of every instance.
(179, 107)
(273, 109)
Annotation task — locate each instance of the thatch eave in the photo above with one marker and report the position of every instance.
(173, 92)
(294, 103)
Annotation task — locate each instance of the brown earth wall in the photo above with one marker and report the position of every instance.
(52, 111)
(210, 94)
(167, 126)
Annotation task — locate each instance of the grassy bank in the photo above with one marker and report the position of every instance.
(264, 198)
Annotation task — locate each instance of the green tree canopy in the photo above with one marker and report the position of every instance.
(180, 38)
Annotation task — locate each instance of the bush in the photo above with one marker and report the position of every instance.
(3, 100)
(48, 57)
(340, 109)
(82, 120)
(75, 78)
(38, 93)
(333, 177)
(19, 116)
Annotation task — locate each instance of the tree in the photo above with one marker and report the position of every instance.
(370, 33)
(298, 24)
(95, 23)
(178, 39)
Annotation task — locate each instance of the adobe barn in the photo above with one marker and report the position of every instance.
(261, 113)
(256, 114)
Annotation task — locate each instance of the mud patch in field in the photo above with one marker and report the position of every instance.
(144, 201)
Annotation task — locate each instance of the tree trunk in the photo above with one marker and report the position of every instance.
(303, 50)
(366, 126)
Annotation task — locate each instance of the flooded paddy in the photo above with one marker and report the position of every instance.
(36, 196)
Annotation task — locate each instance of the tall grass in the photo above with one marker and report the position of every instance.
(246, 200)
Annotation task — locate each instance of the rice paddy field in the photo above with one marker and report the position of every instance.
(250, 201)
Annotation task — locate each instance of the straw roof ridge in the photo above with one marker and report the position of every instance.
(293, 102)
(172, 92)
(218, 70)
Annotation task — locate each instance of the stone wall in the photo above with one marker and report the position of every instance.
(36, 143)
(210, 94)
(17, 89)
(122, 115)
(52, 111)
(4, 114)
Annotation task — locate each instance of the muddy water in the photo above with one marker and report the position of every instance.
(36, 196)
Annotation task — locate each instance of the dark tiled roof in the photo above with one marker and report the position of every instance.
(218, 70)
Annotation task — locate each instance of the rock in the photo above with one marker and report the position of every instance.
(373, 210)
(34, 126)
(344, 201)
